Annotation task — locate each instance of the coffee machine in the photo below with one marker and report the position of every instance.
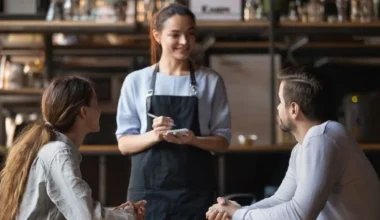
(15, 123)
(361, 116)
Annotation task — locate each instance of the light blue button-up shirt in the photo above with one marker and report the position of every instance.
(55, 189)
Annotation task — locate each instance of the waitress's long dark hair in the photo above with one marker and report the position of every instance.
(157, 24)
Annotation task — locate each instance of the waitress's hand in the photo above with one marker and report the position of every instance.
(184, 138)
(160, 126)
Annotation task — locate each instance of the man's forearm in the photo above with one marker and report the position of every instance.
(265, 203)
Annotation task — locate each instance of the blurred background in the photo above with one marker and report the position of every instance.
(247, 41)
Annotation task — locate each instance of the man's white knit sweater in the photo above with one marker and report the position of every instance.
(328, 178)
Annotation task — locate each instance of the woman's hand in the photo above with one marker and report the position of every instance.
(183, 138)
(138, 207)
(160, 126)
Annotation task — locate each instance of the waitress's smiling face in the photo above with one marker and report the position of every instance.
(177, 37)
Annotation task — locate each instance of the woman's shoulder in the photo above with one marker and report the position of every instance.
(140, 74)
(137, 77)
(208, 72)
(51, 149)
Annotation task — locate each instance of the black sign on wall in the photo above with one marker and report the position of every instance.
(42, 6)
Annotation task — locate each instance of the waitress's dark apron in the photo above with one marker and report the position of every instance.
(176, 180)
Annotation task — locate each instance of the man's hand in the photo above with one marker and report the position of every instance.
(138, 207)
(223, 210)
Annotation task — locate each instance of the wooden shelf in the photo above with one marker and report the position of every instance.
(325, 28)
(64, 27)
(227, 28)
(25, 91)
(258, 47)
(216, 28)
(330, 25)
(35, 95)
(232, 28)
(17, 96)
(245, 45)
(339, 45)
(144, 49)
(336, 49)
(232, 24)
(120, 27)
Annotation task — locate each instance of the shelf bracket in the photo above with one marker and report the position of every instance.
(48, 41)
(321, 62)
(298, 43)
(205, 45)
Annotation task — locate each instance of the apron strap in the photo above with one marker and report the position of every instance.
(151, 89)
(153, 81)
(193, 82)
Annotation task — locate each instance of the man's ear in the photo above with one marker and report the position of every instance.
(294, 110)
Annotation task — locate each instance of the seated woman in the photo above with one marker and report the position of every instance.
(41, 178)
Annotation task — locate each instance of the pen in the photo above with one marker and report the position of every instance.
(151, 115)
(154, 116)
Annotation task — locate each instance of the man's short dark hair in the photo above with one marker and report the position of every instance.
(304, 87)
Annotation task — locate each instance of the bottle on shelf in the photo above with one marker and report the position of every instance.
(130, 14)
(367, 11)
(342, 10)
(253, 10)
(293, 11)
(355, 11)
(376, 6)
(315, 11)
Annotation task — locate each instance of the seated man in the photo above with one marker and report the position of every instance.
(328, 178)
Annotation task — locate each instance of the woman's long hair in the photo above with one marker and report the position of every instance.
(157, 24)
(61, 103)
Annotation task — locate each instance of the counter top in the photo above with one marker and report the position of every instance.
(113, 149)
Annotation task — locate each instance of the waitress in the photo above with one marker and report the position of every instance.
(174, 173)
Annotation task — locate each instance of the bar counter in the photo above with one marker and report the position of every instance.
(102, 151)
